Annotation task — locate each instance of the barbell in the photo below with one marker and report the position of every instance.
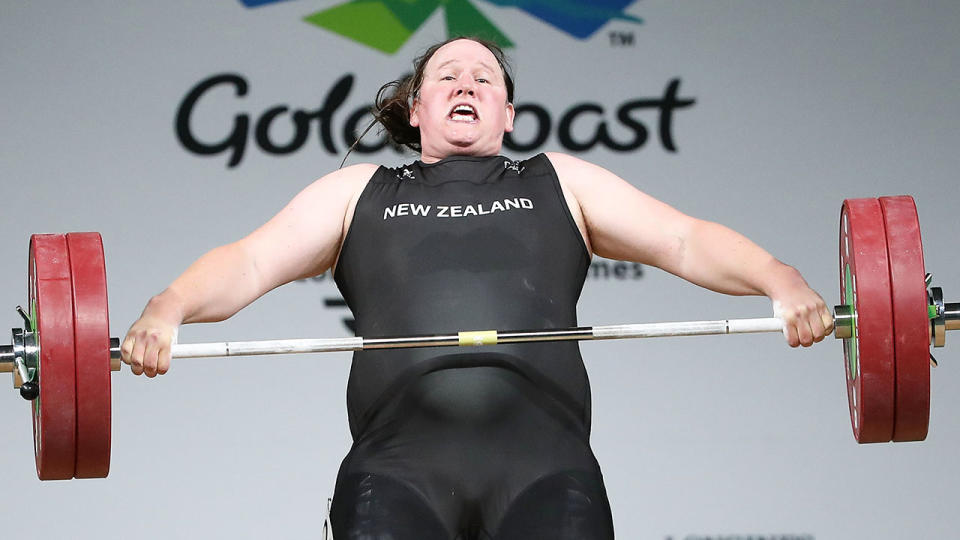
(888, 318)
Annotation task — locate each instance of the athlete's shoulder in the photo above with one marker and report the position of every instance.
(572, 168)
(563, 161)
(358, 172)
(347, 179)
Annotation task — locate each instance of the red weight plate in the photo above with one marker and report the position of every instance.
(911, 323)
(865, 285)
(92, 345)
(51, 308)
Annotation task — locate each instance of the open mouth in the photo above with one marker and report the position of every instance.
(463, 113)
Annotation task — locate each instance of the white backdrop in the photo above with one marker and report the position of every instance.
(798, 105)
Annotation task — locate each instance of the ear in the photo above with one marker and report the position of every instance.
(414, 113)
(510, 114)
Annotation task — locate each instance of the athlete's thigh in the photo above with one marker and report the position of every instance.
(375, 507)
(562, 506)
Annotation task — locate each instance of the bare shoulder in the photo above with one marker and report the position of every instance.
(326, 199)
(303, 239)
(575, 173)
(360, 170)
(352, 177)
(565, 163)
(336, 191)
(596, 188)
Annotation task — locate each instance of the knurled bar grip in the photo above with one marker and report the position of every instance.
(474, 338)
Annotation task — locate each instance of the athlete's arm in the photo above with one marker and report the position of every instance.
(302, 240)
(623, 223)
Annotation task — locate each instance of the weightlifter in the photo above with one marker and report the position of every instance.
(492, 443)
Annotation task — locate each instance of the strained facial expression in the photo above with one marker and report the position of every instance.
(462, 107)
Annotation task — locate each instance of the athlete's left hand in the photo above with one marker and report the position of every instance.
(806, 317)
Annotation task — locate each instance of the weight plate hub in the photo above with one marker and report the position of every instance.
(51, 310)
(92, 346)
(911, 321)
(869, 353)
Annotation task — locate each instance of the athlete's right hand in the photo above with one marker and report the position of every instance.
(147, 344)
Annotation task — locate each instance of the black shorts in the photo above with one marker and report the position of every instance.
(469, 454)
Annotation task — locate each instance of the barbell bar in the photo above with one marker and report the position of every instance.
(888, 318)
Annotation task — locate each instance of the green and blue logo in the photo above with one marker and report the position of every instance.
(386, 25)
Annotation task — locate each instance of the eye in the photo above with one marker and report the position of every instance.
(481, 80)
(447, 78)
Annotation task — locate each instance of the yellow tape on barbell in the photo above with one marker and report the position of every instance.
(482, 337)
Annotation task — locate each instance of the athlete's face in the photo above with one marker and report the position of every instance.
(462, 106)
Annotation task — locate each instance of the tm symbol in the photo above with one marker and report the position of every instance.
(621, 39)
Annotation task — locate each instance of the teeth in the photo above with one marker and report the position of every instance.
(463, 113)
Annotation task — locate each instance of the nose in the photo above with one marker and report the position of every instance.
(466, 86)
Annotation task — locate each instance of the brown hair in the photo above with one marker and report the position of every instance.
(394, 99)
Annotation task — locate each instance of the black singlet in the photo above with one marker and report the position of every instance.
(490, 443)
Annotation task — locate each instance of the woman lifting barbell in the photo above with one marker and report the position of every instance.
(493, 443)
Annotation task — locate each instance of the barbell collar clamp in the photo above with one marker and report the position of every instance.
(115, 363)
(938, 324)
(842, 322)
(27, 322)
(21, 357)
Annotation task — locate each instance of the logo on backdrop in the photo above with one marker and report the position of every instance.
(386, 25)
(581, 127)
